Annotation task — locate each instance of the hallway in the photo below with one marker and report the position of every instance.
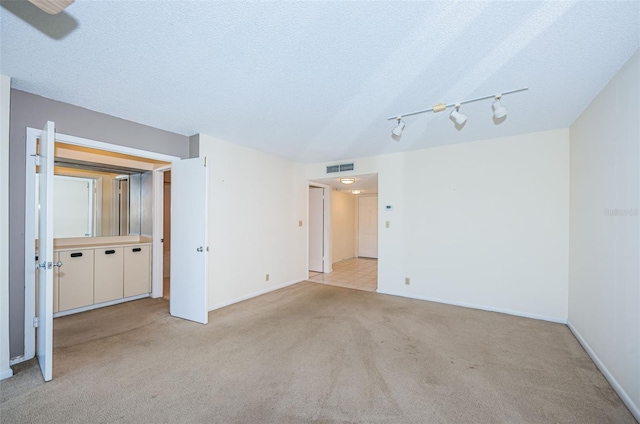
(354, 273)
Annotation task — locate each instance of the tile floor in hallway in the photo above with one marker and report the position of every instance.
(354, 273)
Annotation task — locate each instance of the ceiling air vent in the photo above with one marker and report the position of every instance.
(343, 167)
(346, 167)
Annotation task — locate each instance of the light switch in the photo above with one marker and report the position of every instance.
(387, 224)
(299, 223)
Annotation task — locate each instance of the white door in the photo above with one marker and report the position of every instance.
(316, 229)
(188, 277)
(368, 226)
(44, 331)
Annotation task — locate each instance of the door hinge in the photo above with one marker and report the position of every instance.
(205, 161)
(36, 157)
(35, 322)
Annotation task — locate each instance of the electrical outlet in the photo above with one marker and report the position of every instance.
(266, 278)
(299, 223)
(407, 281)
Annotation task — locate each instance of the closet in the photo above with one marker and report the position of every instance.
(102, 228)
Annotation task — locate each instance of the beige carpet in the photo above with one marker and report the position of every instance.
(312, 353)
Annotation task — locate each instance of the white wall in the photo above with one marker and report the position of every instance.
(343, 225)
(482, 224)
(255, 203)
(5, 94)
(604, 278)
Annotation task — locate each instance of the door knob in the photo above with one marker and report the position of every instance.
(200, 249)
(58, 264)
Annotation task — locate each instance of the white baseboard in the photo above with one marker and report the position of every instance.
(99, 305)
(635, 409)
(6, 374)
(474, 306)
(254, 294)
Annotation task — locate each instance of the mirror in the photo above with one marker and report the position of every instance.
(90, 203)
(98, 193)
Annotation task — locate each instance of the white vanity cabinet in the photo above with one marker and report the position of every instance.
(75, 279)
(116, 269)
(137, 270)
(108, 275)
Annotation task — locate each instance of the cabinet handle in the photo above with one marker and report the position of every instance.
(76, 255)
(136, 249)
(109, 252)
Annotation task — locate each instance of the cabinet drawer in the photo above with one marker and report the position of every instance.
(75, 279)
(108, 281)
(137, 270)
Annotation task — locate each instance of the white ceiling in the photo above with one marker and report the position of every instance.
(315, 81)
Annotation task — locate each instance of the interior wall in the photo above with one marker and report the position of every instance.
(29, 110)
(604, 288)
(255, 204)
(5, 102)
(343, 225)
(482, 224)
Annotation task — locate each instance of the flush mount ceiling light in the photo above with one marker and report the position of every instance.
(347, 180)
(499, 111)
(356, 191)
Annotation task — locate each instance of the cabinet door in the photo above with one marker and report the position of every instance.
(75, 279)
(108, 281)
(137, 270)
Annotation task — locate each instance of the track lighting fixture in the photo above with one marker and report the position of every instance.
(499, 111)
(396, 133)
(459, 118)
(347, 180)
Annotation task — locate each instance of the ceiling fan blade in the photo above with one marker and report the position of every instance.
(52, 7)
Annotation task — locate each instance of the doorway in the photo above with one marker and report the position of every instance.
(77, 155)
(351, 227)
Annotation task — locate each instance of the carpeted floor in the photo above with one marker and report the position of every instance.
(312, 353)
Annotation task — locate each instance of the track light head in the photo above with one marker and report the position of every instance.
(499, 111)
(458, 118)
(396, 133)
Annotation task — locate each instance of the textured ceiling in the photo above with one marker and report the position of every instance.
(315, 81)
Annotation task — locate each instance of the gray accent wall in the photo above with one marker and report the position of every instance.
(194, 146)
(29, 110)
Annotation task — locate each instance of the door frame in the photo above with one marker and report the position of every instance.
(29, 231)
(327, 264)
(157, 263)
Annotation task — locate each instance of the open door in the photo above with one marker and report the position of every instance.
(316, 229)
(189, 247)
(44, 336)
